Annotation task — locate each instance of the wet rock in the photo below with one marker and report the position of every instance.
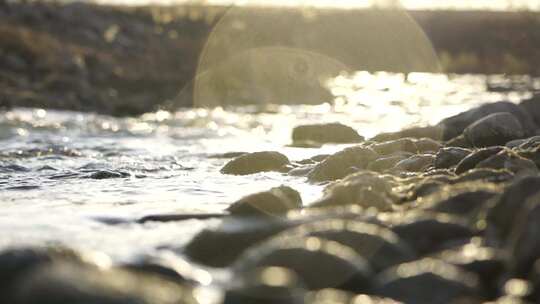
(455, 125)
(255, 162)
(106, 174)
(459, 142)
(503, 212)
(433, 132)
(230, 239)
(301, 171)
(274, 202)
(470, 161)
(415, 163)
(525, 143)
(326, 133)
(69, 283)
(450, 156)
(427, 232)
(426, 145)
(429, 281)
(530, 106)
(486, 262)
(523, 242)
(424, 188)
(511, 161)
(460, 199)
(16, 263)
(365, 189)
(387, 162)
(534, 278)
(487, 175)
(378, 245)
(266, 285)
(317, 262)
(171, 267)
(343, 163)
(327, 296)
(393, 146)
(495, 129)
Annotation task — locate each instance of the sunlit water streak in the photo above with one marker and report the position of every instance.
(45, 157)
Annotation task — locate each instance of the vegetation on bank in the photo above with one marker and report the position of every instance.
(125, 61)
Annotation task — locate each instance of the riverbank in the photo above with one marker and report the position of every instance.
(130, 60)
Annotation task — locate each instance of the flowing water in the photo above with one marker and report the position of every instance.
(167, 162)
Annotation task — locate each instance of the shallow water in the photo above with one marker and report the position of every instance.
(165, 161)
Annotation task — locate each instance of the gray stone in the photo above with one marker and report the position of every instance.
(378, 245)
(256, 162)
(429, 281)
(455, 125)
(415, 163)
(471, 160)
(365, 189)
(449, 157)
(317, 262)
(274, 202)
(495, 129)
(343, 163)
(326, 133)
(393, 146)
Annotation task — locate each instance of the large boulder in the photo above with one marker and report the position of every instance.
(493, 130)
(455, 125)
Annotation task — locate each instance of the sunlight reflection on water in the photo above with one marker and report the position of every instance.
(47, 155)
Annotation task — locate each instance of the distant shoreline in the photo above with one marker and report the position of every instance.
(128, 60)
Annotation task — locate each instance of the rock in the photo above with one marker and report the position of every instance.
(426, 145)
(238, 235)
(170, 267)
(471, 160)
(460, 199)
(72, 283)
(427, 232)
(16, 263)
(327, 296)
(266, 285)
(274, 202)
(486, 262)
(317, 262)
(343, 163)
(326, 133)
(450, 156)
(511, 161)
(428, 281)
(503, 212)
(455, 125)
(256, 162)
(433, 132)
(365, 189)
(386, 162)
(459, 142)
(525, 143)
(394, 146)
(106, 174)
(486, 175)
(523, 242)
(495, 129)
(378, 245)
(415, 163)
(530, 106)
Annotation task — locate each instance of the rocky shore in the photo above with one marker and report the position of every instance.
(126, 61)
(442, 214)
